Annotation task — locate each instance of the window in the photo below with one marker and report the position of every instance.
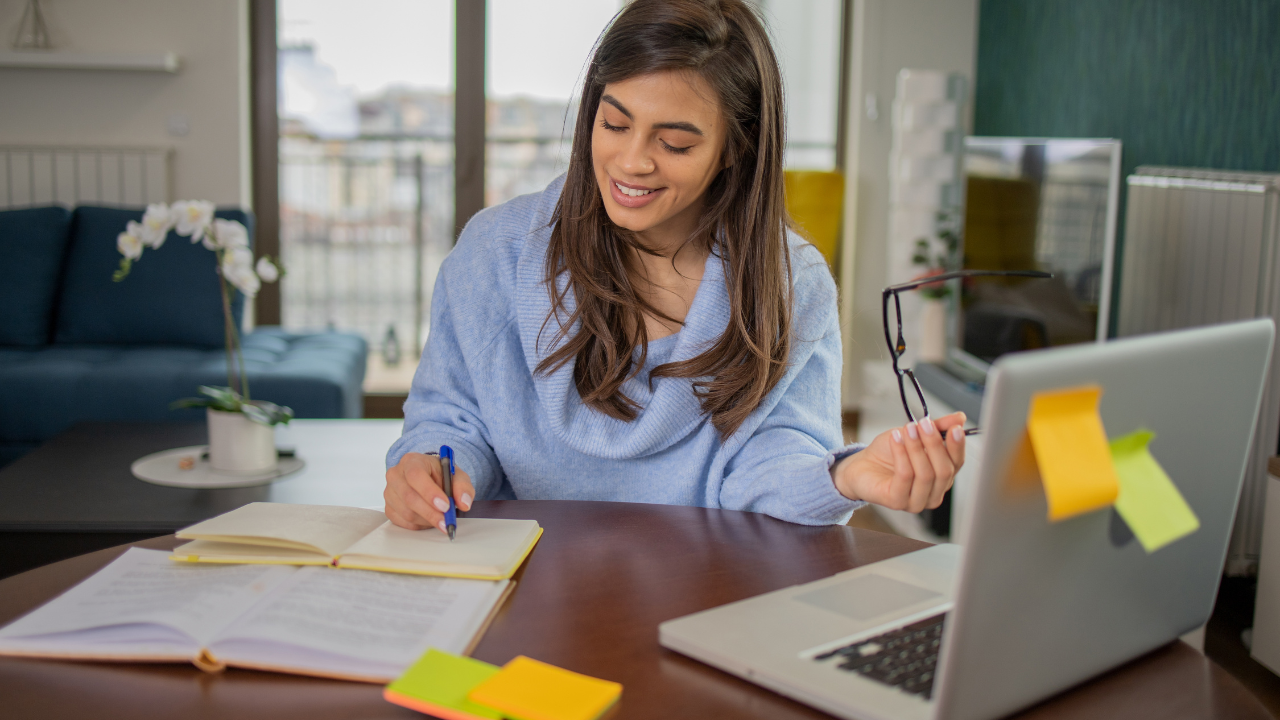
(532, 105)
(366, 170)
(369, 196)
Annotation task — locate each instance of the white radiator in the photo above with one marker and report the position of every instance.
(71, 175)
(1203, 247)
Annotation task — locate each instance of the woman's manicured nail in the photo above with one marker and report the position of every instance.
(443, 529)
(913, 431)
(957, 434)
(466, 501)
(897, 436)
(927, 424)
(441, 504)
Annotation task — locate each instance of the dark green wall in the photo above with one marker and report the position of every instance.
(1190, 83)
(1193, 83)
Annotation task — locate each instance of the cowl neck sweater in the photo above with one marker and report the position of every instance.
(523, 434)
(668, 412)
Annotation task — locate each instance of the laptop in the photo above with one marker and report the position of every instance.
(1020, 608)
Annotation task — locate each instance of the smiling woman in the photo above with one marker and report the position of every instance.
(647, 329)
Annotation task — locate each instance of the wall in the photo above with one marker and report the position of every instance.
(1180, 82)
(888, 35)
(211, 90)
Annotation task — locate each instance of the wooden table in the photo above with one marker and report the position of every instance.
(589, 599)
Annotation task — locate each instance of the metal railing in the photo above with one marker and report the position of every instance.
(366, 223)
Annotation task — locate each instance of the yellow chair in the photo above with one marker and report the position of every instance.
(815, 201)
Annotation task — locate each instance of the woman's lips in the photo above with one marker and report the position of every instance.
(630, 201)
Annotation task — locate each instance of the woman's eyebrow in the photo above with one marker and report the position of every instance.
(685, 126)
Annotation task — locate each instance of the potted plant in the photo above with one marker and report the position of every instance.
(936, 257)
(241, 429)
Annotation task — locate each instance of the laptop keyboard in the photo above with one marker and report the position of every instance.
(904, 658)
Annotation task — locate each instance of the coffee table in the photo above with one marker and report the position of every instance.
(75, 493)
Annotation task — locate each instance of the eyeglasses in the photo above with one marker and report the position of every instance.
(896, 349)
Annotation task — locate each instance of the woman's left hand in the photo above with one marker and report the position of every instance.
(907, 468)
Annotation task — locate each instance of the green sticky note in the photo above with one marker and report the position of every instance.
(438, 685)
(1149, 501)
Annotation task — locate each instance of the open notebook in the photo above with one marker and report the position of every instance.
(353, 625)
(347, 537)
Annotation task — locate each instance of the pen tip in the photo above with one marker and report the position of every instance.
(452, 532)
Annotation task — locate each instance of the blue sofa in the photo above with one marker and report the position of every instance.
(76, 346)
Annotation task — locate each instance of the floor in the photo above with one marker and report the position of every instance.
(1232, 614)
(1222, 642)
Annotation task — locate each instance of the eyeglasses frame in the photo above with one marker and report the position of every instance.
(896, 350)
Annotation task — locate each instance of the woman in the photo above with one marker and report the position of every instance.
(646, 329)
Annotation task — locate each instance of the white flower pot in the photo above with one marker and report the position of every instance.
(238, 445)
(933, 331)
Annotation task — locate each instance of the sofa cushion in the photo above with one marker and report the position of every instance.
(33, 243)
(171, 296)
(45, 391)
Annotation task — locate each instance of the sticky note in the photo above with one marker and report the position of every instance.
(1149, 502)
(1071, 451)
(526, 689)
(438, 683)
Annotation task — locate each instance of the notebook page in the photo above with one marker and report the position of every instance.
(145, 587)
(328, 528)
(480, 542)
(356, 621)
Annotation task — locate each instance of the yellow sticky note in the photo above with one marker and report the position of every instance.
(1149, 502)
(526, 689)
(1072, 452)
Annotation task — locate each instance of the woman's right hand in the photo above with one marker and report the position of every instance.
(414, 496)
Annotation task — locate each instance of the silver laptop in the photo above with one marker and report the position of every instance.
(1020, 608)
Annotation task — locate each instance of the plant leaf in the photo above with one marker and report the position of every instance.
(190, 402)
(221, 398)
(271, 413)
(256, 414)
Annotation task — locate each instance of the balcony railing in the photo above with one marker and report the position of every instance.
(365, 224)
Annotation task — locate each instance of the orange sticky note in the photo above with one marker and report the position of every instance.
(1072, 451)
(526, 689)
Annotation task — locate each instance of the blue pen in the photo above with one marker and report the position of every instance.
(446, 464)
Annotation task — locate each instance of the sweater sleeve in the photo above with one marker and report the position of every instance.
(783, 468)
(442, 408)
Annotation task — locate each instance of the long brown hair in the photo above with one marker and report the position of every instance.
(743, 223)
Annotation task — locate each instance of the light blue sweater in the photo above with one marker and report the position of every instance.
(524, 435)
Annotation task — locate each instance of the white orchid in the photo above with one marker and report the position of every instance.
(267, 270)
(192, 218)
(129, 242)
(237, 269)
(229, 240)
(229, 234)
(156, 223)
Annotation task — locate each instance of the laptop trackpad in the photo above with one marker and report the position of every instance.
(867, 596)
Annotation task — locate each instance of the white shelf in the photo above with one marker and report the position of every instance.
(53, 60)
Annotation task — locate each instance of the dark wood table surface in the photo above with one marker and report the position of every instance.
(589, 599)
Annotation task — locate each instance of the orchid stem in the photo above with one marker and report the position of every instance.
(228, 327)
